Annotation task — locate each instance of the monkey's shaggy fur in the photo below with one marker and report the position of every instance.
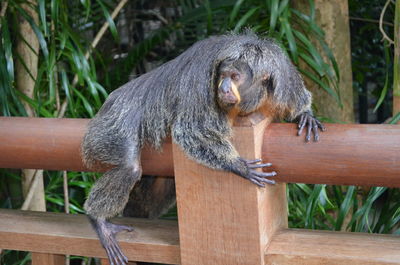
(179, 99)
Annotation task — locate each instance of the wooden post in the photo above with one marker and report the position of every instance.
(223, 218)
(47, 259)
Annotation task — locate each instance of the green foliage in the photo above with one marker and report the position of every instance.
(61, 33)
(296, 31)
(344, 208)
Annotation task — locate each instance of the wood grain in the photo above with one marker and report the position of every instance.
(307, 247)
(347, 154)
(224, 219)
(58, 233)
(54, 144)
(47, 259)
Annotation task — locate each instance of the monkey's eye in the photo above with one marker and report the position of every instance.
(235, 76)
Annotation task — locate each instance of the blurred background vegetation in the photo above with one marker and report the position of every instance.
(62, 58)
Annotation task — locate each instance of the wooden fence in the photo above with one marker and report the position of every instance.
(223, 219)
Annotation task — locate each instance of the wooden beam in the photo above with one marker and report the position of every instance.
(223, 218)
(310, 247)
(58, 233)
(47, 259)
(347, 154)
(54, 144)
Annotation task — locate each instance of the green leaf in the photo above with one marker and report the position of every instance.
(314, 65)
(385, 86)
(395, 119)
(321, 84)
(383, 93)
(65, 85)
(283, 5)
(54, 6)
(244, 18)
(235, 11)
(345, 207)
(7, 48)
(43, 112)
(110, 21)
(287, 30)
(273, 14)
(35, 28)
(42, 15)
(321, 66)
(86, 103)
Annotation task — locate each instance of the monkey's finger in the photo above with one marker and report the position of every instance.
(309, 127)
(315, 131)
(110, 256)
(256, 182)
(261, 180)
(320, 125)
(269, 181)
(263, 174)
(260, 165)
(302, 125)
(118, 252)
(301, 121)
(253, 161)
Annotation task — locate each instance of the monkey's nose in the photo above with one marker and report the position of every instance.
(225, 86)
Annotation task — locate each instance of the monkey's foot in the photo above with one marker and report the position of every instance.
(312, 124)
(107, 233)
(257, 177)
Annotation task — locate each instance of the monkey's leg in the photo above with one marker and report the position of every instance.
(108, 198)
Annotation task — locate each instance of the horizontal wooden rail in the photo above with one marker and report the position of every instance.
(310, 247)
(157, 241)
(54, 144)
(58, 233)
(346, 154)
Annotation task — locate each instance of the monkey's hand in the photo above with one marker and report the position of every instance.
(306, 118)
(257, 177)
(107, 234)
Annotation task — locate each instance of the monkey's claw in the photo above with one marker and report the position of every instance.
(107, 233)
(257, 177)
(110, 244)
(312, 124)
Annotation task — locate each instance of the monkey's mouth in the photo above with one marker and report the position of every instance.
(228, 99)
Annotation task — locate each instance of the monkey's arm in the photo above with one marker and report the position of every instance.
(215, 151)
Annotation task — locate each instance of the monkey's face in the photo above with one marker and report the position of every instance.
(233, 79)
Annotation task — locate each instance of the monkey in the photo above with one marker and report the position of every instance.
(192, 98)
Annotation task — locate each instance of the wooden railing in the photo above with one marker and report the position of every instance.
(222, 218)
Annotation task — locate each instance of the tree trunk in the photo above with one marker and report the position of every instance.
(25, 80)
(332, 17)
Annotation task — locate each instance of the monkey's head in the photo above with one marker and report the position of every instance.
(238, 88)
(253, 74)
(234, 77)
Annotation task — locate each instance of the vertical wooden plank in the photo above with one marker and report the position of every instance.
(47, 259)
(224, 219)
